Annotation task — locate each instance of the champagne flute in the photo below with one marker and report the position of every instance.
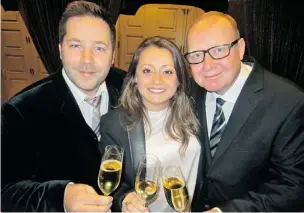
(110, 169)
(146, 182)
(175, 188)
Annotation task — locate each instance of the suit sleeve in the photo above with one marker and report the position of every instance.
(124, 188)
(20, 190)
(284, 188)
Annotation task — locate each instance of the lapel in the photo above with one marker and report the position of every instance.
(113, 96)
(69, 106)
(200, 97)
(244, 106)
(137, 146)
(200, 174)
(114, 81)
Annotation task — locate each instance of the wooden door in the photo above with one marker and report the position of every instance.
(150, 20)
(131, 32)
(38, 69)
(170, 21)
(15, 64)
(21, 64)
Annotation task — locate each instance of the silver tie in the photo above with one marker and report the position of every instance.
(95, 103)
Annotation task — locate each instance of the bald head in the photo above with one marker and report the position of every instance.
(213, 19)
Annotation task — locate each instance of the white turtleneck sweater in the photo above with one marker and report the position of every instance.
(167, 150)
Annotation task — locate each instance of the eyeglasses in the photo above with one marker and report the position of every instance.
(217, 52)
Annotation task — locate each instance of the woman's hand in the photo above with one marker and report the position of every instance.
(133, 203)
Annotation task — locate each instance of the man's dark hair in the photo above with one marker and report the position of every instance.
(85, 8)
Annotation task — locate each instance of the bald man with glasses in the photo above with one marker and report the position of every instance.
(252, 124)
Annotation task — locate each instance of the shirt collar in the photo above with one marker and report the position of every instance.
(77, 93)
(234, 91)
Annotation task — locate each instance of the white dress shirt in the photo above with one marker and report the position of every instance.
(85, 108)
(230, 97)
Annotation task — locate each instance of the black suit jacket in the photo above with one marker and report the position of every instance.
(259, 163)
(118, 129)
(46, 143)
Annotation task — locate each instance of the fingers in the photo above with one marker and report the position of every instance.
(133, 203)
(97, 200)
(106, 200)
(83, 198)
(95, 208)
(92, 204)
(86, 205)
(90, 189)
(91, 208)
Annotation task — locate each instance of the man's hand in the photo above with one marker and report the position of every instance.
(133, 203)
(83, 198)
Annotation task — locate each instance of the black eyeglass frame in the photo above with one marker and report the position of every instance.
(207, 51)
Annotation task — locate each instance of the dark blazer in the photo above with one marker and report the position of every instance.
(259, 163)
(46, 143)
(118, 129)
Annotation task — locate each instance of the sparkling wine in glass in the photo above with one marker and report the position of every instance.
(110, 169)
(146, 183)
(175, 188)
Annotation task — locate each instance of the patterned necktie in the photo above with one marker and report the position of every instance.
(218, 126)
(95, 103)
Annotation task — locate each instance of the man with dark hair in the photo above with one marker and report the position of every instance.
(50, 154)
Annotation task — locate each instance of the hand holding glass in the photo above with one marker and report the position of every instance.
(175, 188)
(146, 183)
(110, 169)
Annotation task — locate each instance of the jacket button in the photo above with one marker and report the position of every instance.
(210, 180)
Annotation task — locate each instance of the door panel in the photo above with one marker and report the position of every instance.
(131, 34)
(21, 64)
(170, 21)
(15, 63)
(40, 71)
(167, 21)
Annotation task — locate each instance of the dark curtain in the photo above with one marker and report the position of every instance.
(114, 7)
(10, 5)
(274, 33)
(42, 17)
